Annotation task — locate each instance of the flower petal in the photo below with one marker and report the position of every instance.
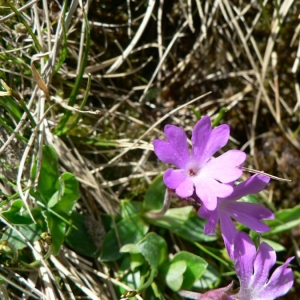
(200, 138)
(218, 139)
(249, 214)
(253, 272)
(280, 282)
(174, 151)
(253, 185)
(212, 219)
(180, 181)
(225, 168)
(186, 188)
(264, 261)
(173, 178)
(244, 255)
(229, 233)
(208, 189)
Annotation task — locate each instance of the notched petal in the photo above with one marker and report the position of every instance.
(212, 219)
(225, 168)
(249, 214)
(280, 282)
(200, 138)
(208, 189)
(174, 152)
(264, 261)
(186, 188)
(173, 178)
(218, 139)
(244, 255)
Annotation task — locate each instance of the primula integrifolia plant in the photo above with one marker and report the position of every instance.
(210, 182)
(249, 214)
(253, 268)
(198, 171)
(253, 271)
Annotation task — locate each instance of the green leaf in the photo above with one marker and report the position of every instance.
(195, 268)
(136, 260)
(154, 249)
(174, 218)
(57, 193)
(54, 199)
(79, 238)
(11, 106)
(209, 278)
(285, 220)
(48, 178)
(250, 198)
(183, 221)
(130, 278)
(57, 229)
(128, 231)
(276, 246)
(31, 232)
(174, 276)
(129, 208)
(130, 248)
(61, 204)
(15, 216)
(68, 194)
(154, 197)
(193, 229)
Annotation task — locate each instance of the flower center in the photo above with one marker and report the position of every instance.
(192, 172)
(193, 168)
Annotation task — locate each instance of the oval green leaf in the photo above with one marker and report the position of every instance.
(154, 249)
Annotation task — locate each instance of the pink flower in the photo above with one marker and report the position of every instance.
(198, 171)
(253, 268)
(249, 214)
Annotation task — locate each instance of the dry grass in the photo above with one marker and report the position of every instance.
(149, 64)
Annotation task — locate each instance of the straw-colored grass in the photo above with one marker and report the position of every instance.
(149, 63)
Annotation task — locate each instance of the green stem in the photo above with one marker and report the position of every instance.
(61, 128)
(149, 281)
(204, 249)
(219, 117)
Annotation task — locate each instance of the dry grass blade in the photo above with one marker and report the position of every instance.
(24, 7)
(266, 174)
(162, 60)
(74, 279)
(278, 18)
(137, 36)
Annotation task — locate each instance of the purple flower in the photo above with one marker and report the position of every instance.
(249, 214)
(252, 269)
(199, 171)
